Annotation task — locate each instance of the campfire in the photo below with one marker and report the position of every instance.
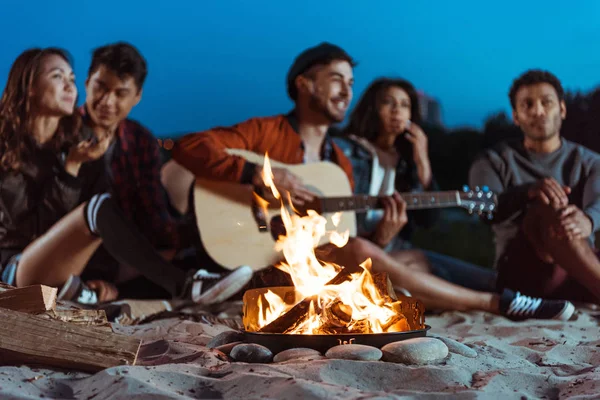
(326, 299)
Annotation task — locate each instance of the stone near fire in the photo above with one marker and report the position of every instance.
(293, 354)
(226, 348)
(251, 353)
(457, 347)
(225, 338)
(358, 352)
(415, 351)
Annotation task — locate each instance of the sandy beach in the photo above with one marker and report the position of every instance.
(534, 359)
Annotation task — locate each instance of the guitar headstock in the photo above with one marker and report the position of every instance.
(479, 200)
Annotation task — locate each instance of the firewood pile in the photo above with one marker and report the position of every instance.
(36, 329)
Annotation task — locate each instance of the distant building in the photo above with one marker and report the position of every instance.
(431, 110)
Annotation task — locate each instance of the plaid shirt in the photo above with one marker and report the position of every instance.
(134, 182)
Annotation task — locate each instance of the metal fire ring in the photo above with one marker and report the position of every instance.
(277, 342)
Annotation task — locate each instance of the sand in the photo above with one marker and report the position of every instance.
(533, 359)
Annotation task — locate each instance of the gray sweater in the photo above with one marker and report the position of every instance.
(509, 170)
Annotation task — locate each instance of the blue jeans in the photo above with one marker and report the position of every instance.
(9, 272)
(462, 273)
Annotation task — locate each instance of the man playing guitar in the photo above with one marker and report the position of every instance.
(320, 84)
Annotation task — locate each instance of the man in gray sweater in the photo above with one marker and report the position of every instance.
(548, 198)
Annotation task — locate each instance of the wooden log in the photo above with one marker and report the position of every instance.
(297, 314)
(29, 299)
(4, 287)
(30, 339)
(93, 318)
(384, 286)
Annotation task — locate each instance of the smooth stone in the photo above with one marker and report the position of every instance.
(300, 352)
(251, 353)
(358, 352)
(421, 350)
(225, 338)
(226, 348)
(457, 347)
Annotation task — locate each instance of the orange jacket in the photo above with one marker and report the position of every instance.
(204, 153)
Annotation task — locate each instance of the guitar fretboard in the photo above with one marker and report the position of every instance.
(414, 201)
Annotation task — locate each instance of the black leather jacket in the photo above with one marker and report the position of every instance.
(33, 199)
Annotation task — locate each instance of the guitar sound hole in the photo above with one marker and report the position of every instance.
(277, 227)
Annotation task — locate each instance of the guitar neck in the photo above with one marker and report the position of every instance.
(414, 201)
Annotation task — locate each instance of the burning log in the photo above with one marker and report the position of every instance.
(351, 300)
(384, 286)
(290, 319)
(338, 315)
(298, 313)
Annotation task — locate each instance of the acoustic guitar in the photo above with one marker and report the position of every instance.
(235, 232)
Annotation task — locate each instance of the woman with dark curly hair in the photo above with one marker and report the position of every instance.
(384, 125)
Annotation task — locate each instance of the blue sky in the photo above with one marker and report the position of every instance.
(217, 63)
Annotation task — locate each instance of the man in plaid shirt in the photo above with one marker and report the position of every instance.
(130, 169)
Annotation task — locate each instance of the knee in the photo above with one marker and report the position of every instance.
(419, 257)
(101, 201)
(361, 248)
(538, 223)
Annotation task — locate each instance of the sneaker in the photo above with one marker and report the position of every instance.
(210, 288)
(518, 307)
(77, 291)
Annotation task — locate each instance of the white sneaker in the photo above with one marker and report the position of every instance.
(211, 287)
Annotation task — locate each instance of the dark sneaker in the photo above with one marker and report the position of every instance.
(77, 291)
(518, 307)
(210, 288)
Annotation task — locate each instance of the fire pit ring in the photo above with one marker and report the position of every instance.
(277, 342)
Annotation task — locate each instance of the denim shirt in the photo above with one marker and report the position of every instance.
(406, 181)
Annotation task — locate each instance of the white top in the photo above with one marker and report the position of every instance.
(383, 178)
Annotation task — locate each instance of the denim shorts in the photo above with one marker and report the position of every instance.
(9, 272)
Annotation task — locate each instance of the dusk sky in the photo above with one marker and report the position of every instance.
(217, 63)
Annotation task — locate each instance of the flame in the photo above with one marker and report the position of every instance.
(339, 239)
(267, 176)
(272, 310)
(356, 305)
(336, 218)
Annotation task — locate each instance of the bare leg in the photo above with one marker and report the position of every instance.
(67, 247)
(433, 291)
(413, 259)
(62, 251)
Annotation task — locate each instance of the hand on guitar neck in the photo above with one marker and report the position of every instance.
(394, 219)
(285, 181)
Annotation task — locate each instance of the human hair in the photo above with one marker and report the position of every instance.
(364, 118)
(532, 77)
(17, 111)
(323, 54)
(123, 59)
